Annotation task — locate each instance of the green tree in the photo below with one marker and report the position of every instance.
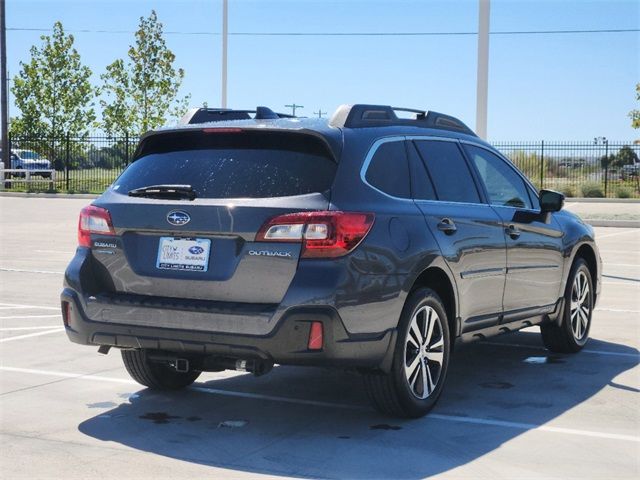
(141, 92)
(626, 156)
(635, 114)
(53, 91)
(607, 161)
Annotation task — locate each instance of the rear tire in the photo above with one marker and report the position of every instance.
(157, 376)
(572, 334)
(420, 360)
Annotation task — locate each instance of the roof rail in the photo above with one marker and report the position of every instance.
(204, 115)
(361, 116)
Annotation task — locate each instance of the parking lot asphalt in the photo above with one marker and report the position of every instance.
(509, 410)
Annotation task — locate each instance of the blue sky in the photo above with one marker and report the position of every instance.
(548, 87)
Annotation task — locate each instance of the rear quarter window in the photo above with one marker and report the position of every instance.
(234, 165)
(388, 170)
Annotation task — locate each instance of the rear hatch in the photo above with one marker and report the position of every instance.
(177, 244)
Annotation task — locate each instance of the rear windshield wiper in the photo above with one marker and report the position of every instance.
(164, 191)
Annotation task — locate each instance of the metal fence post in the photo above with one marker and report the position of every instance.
(126, 141)
(542, 164)
(66, 162)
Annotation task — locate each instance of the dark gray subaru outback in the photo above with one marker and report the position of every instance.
(241, 240)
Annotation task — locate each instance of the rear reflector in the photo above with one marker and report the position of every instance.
(66, 313)
(93, 220)
(325, 234)
(315, 336)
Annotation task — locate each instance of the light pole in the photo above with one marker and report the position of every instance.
(225, 35)
(320, 113)
(482, 87)
(604, 141)
(4, 104)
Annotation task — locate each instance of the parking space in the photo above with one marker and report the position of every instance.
(510, 409)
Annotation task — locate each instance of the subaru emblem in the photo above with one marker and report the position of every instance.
(178, 218)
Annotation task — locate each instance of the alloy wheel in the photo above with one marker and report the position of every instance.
(580, 308)
(424, 352)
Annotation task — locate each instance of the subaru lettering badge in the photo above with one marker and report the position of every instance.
(196, 250)
(178, 218)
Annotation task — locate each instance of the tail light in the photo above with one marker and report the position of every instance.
(93, 220)
(322, 234)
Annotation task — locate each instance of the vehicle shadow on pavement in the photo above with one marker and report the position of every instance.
(491, 381)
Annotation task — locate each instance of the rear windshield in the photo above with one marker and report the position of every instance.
(233, 165)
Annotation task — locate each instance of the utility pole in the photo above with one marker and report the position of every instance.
(4, 105)
(482, 87)
(293, 107)
(225, 35)
(320, 113)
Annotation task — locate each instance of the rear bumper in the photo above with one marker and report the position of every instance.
(285, 344)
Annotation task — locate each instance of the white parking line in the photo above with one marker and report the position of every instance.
(584, 350)
(20, 305)
(4, 269)
(82, 376)
(15, 317)
(13, 308)
(432, 416)
(616, 310)
(607, 235)
(29, 335)
(532, 426)
(12, 329)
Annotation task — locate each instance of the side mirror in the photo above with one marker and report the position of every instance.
(551, 201)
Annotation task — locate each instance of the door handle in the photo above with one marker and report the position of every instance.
(447, 226)
(513, 231)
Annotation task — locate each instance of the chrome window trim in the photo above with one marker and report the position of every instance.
(401, 138)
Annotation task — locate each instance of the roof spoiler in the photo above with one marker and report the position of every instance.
(204, 115)
(362, 116)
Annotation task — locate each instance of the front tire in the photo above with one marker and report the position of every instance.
(572, 334)
(156, 376)
(420, 363)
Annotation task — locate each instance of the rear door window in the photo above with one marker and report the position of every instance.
(233, 165)
(448, 170)
(388, 170)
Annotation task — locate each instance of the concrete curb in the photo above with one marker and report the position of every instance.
(601, 200)
(613, 223)
(47, 195)
(92, 195)
(595, 223)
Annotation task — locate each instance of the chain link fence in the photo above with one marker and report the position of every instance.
(578, 169)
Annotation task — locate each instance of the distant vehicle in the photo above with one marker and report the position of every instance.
(369, 242)
(631, 170)
(572, 162)
(30, 160)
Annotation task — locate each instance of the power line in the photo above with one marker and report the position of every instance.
(348, 34)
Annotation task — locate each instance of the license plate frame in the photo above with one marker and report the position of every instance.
(183, 254)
